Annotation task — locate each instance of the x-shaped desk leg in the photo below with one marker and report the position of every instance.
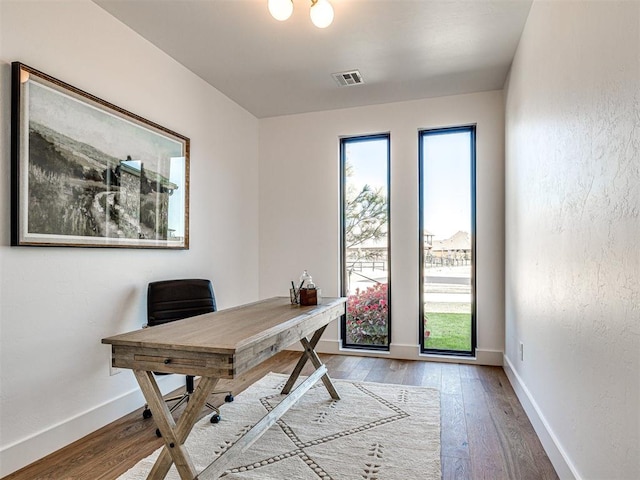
(310, 354)
(174, 435)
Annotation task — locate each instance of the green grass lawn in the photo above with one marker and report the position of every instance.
(449, 331)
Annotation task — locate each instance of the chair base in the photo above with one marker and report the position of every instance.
(184, 397)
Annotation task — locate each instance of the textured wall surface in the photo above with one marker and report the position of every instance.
(572, 229)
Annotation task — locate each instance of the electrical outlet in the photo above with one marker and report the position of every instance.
(113, 370)
(521, 352)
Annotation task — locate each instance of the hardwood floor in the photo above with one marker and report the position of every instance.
(485, 433)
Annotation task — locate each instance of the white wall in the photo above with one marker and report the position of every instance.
(572, 230)
(57, 303)
(299, 206)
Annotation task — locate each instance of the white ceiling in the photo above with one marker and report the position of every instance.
(405, 49)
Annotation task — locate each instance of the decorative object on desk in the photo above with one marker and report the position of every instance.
(296, 294)
(307, 293)
(388, 432)
(87, 173)
(308, 296)
(306, 280)
(293, 294)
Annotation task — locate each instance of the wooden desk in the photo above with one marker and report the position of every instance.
(217, 345)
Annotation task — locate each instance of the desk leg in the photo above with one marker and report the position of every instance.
(310, 354)
(174, 435)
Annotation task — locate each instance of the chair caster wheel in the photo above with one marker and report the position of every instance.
(146, 413)
(158, 434)
(215, 418)
(229, 398)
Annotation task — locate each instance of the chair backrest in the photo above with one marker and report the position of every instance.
(171, 300)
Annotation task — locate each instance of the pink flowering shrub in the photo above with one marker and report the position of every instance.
(367, 316)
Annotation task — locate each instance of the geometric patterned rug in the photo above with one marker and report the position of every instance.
(375, 432)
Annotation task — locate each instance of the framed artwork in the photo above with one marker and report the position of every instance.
(87, 173)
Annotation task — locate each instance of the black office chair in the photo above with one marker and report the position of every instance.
(172, 300)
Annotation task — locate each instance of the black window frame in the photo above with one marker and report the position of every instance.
(471, 129)
(343, 270)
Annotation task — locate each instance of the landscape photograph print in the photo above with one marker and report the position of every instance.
(87, 173)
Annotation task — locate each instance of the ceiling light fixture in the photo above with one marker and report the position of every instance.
(281, 9)
(321, 11)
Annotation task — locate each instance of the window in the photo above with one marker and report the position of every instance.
(447, 240)
(365, 163)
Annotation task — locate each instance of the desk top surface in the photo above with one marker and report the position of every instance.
(233, 329)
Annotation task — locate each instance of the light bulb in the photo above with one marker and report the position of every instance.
(321, 13)
(281, 9)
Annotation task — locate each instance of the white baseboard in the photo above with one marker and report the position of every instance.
(407, 352)
(26, 451)
(489, 357)
(556, 453)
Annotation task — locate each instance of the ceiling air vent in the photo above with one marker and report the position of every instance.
(348, 79)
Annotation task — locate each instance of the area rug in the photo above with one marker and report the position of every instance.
(375, 432)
